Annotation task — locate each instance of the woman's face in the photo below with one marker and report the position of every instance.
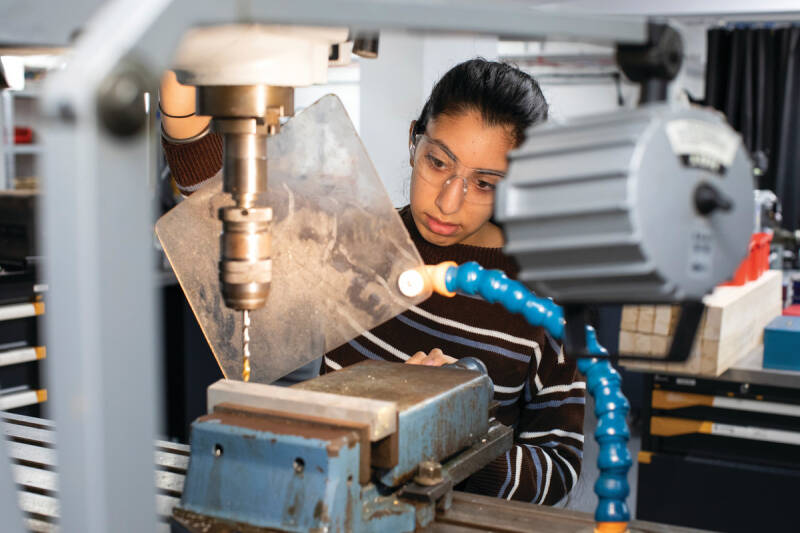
(443, 214)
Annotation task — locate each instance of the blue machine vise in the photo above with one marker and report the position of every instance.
(341, 452)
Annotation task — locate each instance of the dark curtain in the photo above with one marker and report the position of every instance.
(753, 77)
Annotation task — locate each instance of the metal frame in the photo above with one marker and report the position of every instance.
(8, 172)
(98, 225)
(12, 519)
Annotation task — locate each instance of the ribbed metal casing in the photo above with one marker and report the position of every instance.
(601, 208)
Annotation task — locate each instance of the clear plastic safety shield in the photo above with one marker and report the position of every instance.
(338, 249)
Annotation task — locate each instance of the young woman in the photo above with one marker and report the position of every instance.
(458, 149)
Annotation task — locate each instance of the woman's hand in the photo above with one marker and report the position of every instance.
(435, 358)
(179, 101)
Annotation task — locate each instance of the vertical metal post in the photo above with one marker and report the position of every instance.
(8, 172)
(9, 511)
(101, 339)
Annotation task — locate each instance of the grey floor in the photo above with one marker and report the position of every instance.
(582, 497)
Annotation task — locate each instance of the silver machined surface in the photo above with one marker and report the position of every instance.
(601, 208)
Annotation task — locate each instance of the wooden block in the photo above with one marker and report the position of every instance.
(665, 319)
(626, 342)
(630, 317)
(659, 345)
(641, 343)
(731, 327)
(712, 324)
(646, 319)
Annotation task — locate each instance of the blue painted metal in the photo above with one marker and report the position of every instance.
(285, 481)
(782, 343)
(438, 428)
(602, 381)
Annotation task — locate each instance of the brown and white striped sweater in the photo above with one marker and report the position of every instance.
(539, 392)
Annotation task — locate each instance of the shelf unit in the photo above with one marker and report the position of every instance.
(18, 108)
(22, 305)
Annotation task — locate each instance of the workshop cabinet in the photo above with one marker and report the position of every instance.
(21, 307)
(720, 455)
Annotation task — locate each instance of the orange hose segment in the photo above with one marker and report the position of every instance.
(611, 527)
(435, 275)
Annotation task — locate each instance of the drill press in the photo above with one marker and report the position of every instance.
(245, 77)
(245, 115)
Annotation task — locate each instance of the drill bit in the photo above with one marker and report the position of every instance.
(246, 345)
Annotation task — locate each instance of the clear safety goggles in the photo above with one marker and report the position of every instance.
(436, 165)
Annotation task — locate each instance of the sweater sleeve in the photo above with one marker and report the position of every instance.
(545, 461)
(192, 164)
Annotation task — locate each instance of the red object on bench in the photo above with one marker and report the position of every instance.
(23, 135)
(756, 262)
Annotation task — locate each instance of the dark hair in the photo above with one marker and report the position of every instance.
(502, 93)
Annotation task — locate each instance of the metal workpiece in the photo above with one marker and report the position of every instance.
(440, 410)
(379, 415)
(615, 207)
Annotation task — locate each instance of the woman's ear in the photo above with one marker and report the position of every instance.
(411, 142)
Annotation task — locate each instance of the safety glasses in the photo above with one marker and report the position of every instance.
(436, 165)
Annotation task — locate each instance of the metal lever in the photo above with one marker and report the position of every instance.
(470, 363)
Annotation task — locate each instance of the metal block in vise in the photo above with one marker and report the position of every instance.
(441, 411)
(380, 415)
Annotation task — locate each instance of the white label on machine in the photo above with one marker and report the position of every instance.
(703, 145)
(701, 253)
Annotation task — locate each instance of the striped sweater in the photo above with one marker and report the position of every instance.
(538, 390)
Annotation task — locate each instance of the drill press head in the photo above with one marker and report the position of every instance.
(245, 115)
(245, 74)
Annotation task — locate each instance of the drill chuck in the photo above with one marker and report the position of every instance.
(245, 268)
(245, 115)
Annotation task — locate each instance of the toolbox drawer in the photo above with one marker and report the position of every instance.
(705, 493)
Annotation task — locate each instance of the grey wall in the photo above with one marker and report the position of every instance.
(393, 90)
